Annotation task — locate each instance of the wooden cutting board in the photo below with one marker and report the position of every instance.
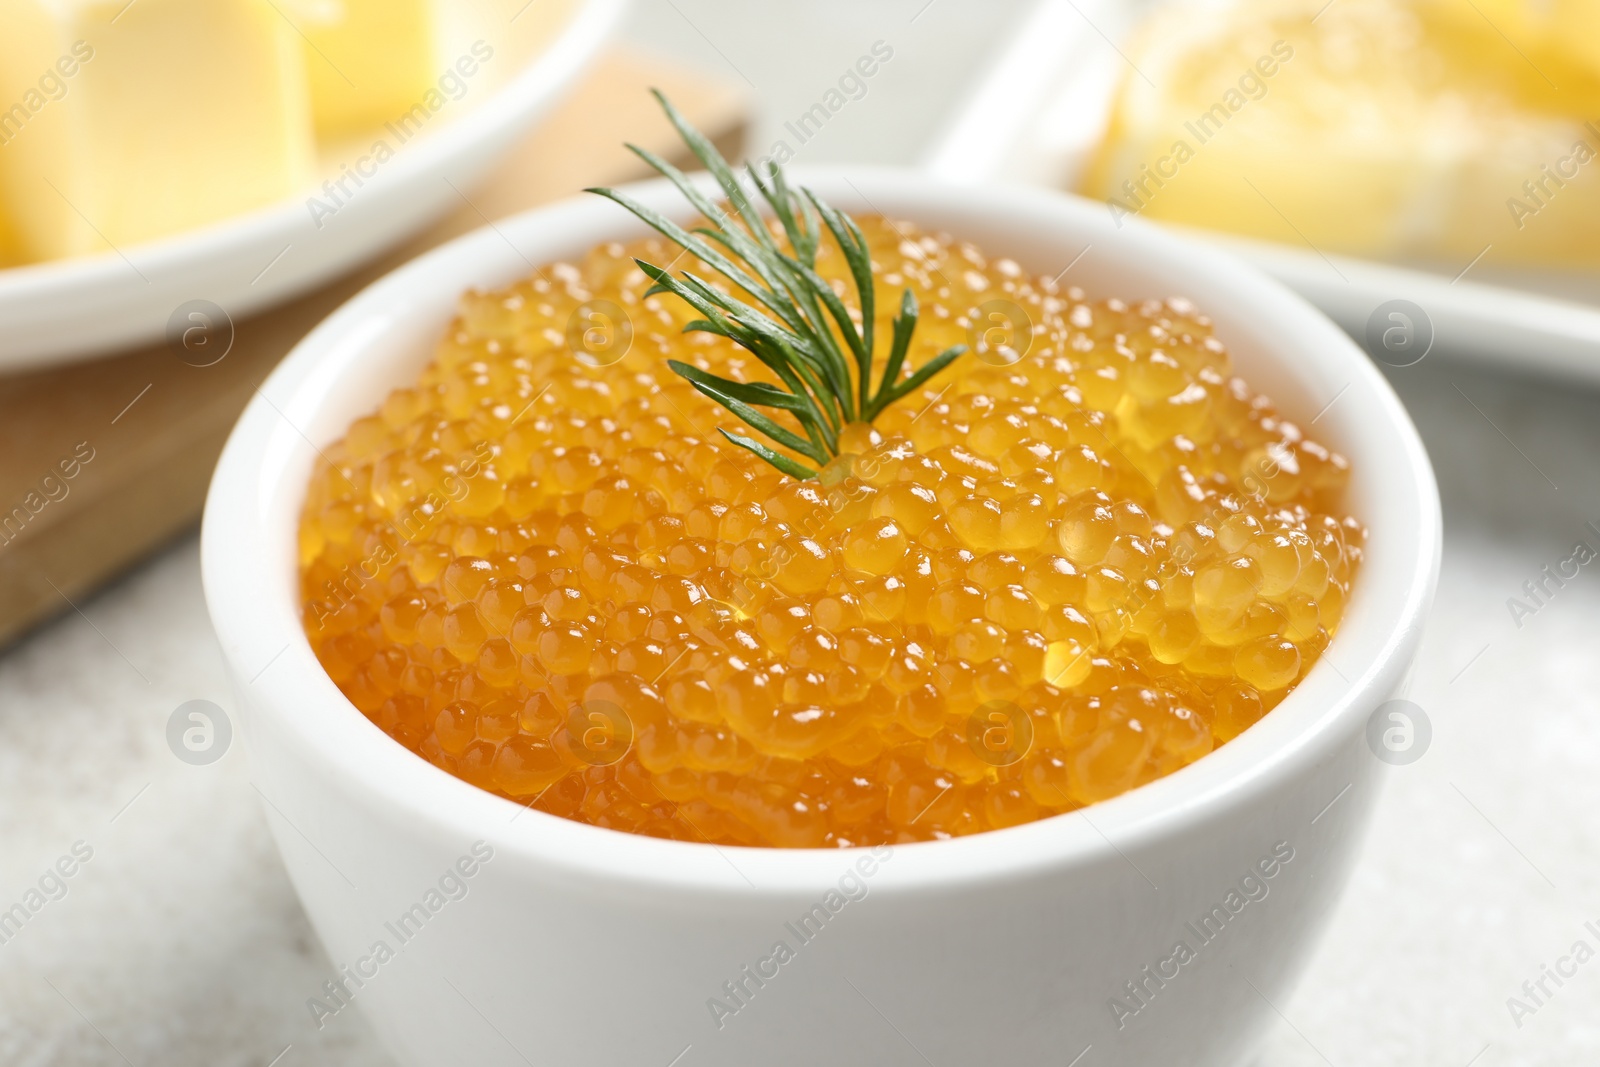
(103, 462)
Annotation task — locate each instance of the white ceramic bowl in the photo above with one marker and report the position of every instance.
(583, 946)
(72, 309)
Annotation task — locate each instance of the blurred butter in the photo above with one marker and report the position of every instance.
(10, 246)
(368, 61)
(124, 121)
(373, 62)
(1413, 130)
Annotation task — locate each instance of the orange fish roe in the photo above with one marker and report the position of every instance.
(1029, 587)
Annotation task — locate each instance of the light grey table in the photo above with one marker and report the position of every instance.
(179, 942)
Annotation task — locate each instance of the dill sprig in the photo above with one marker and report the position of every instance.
(797, 326)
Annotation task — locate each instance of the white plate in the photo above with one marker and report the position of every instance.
(67, 310)
(1042, 108)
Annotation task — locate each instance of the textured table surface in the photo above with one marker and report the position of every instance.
(180, 941)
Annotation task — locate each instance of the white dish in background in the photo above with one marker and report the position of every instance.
(588, 947)
(1042, 107)
(66, 310)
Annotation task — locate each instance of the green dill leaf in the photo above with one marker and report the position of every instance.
(926, 371)
(904, 323)
(794, 322)
(777, 459)
(759, 393)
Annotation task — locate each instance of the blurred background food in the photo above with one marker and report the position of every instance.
(125, 122)
(1420, 131)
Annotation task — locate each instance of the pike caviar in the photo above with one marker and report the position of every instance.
(1074, 562)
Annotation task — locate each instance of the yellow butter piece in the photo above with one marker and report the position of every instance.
(1412, 130)
(1576, 25)
(373, 63)
(368, 61)
(10, 246)
(127, 122)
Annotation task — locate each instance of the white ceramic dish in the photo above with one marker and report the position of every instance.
(583, 946)
(73, 309)
(1041, 109)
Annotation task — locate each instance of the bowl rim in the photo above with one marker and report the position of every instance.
(258, 624)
